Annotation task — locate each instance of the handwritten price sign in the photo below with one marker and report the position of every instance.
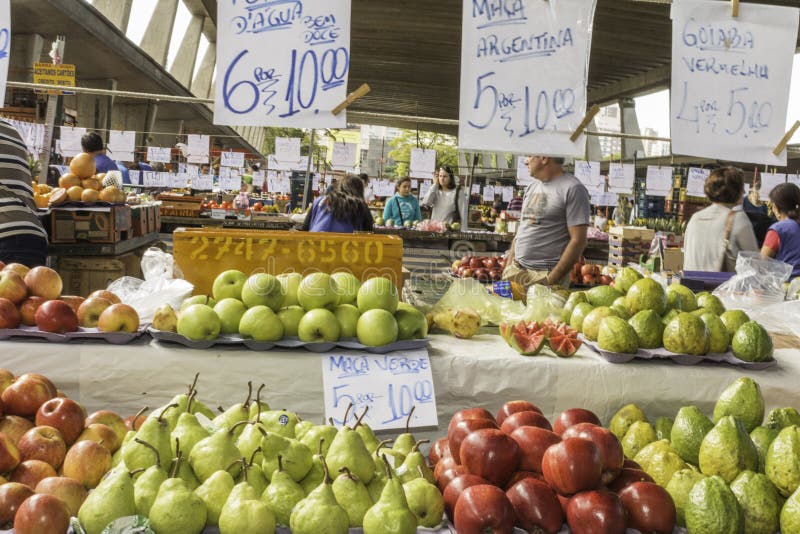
(730, 79)
(282, 62)
(524, 66)
(389, 384)
(5, 46)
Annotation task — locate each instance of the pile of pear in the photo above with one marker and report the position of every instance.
(249, 469)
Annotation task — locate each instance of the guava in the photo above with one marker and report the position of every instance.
(646, 294)
(733, 319)
(718, 338)
(679, 487)
(680, 297)
(640, 434)
(743, 400)
(624, 418)
(649, 329)
(626, 278)
(616, 335)
(727, 450)
(712, 302)
(663, 465)
(663, 426)
(712, 508)
(780, 418)
(759, 502)
(688, 431)
(603, 295)
(686, 334)
(591, 325)
(782, 464)
(762, 438)
(646, 453)
(752, 343)
(579, 313)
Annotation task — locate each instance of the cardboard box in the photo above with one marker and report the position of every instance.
(632, 233)
(95, 225)
(673, 259)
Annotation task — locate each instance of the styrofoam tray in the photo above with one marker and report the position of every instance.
(115, 338)
(684, 359)
(287, 343)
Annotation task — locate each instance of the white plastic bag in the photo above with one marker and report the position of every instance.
(758, 282)
(469, 293)
(158, 287)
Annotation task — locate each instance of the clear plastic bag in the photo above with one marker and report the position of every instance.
(781, 318)
(543, 304)
(469, 293)
(159, 287)
(758, 282)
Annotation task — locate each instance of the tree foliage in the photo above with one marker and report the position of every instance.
(445, 146)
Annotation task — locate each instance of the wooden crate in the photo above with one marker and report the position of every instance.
(95, 225)
(203, 253)
(180, 206)
(139, 216)
(82, 275)
(155, 219)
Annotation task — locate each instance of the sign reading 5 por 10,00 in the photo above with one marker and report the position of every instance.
(282, 62)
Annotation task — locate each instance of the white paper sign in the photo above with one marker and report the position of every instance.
(300, 80)
(524, 177)
(178, 180)
(229, 179)
(793, 179)
(696, 182)
(5, 46)
(730, 79)
(121, 145)
(192, 169)
(158, 154)
(71, 141)
(287, 148)
(424, 187)
(344, 156)
(203, 182)
(149, 178)
(476, 189)
(508, 193)
(659, 180)
(604, 199)
(389, 384)
(621, 177)
(488, 193)
(768, 182)
(414, 184)
(197, 148)
(423, 163)
(517, 95)
(232, 159)
(135, 177)
(588, 172)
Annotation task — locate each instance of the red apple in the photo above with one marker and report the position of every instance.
(9, 453)
(63, 414)
(650, 507)
(111, 420)
(482, 509)
(591, 512)
(489, 263)
(462, 429)
(630, 464)
(627, 477)
(587, 269)
(74, 301)
(89, 311)
(465, 272)
(454, 489)
(87, 462)
(536, 506)
(42, 514)
(533, 442)
(27, 310)
(439, 450)
(490, 454)
(56, 316)
(108, 295)
(12, 495)
(26, 395)
(68, 490)
(101, 434)
(512, 407)
(522, 475)
(495, 275)
(476, 263)
(14, 427)
(10, 316)
(466, 259)
(605, 279)
(31, 472)
(573, 416)
(12, 286)
(469, 413)
(44, 282)
(133, 422)
(572, 465)
(446, 476)
(514, 421)
(6, 379)
(606, 442)
(43, 443)
(119, 318)
(47, 382)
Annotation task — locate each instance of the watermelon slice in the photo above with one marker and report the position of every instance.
(563, 345)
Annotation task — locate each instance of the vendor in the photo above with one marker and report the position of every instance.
(445, 197)
(92, 144)
(715, 235)
(600, 219)
(342, 210)
(783, 238)
(403, 206)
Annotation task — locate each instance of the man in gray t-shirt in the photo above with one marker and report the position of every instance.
(552, 230)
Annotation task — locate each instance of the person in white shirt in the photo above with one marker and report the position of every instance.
(600, 220)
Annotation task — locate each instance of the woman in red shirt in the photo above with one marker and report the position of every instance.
(783, 238)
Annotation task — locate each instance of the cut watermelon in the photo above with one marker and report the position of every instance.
(527, 344)
(564, 345)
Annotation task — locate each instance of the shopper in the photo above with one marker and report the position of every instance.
(600, 219)
(715, 235)
(445, 197)
(403, 206)
(516, 202)
(22, 236)
(92, 143)
(553, 226)
(342, 210)
(783, 238)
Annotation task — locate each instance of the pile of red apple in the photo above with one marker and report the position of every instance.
(518, 470)
(588, 274)
(32, 297)
(51, 453)
(481, 268)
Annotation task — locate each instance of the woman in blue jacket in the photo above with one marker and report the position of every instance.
(403, 206)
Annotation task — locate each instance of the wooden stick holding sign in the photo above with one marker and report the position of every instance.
(352, 97)
(594, 110)
(785, 139)
(734, 8)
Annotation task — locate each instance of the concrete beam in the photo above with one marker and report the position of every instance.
(630, 125)
(182, 67)
(29, 47)
(117, 11)
(111, 84)
(159, 31)
(201, 83)
(652, 80)
(149, 122)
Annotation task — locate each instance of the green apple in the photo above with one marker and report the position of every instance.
(290, 317)
(199, 322)
(198, 299)
(348, 286)
(411, 323)
(261, 324)
(317, 290)
(230, 312)
(290, 283)
(377, 293)
(347, 315)
(228, 284)
(318, 325)
(376, 327)
(263, 289)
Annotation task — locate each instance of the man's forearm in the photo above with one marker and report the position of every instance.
(568, 258)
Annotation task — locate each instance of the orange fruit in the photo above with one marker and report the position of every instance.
(90, 195)
(83, 165)
(41, 200)
(92, 183)
(68, 180)
(74, 192)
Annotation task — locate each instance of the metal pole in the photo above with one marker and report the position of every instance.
(57, 53)
(306, 189)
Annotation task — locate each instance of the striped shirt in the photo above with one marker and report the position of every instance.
(17, 209)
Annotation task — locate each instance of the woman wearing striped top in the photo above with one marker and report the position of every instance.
(22, 236)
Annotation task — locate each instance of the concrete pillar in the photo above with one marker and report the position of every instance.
(211, 91)
(116, 11)
(159, 31)
(593, 150)
(201, 83)
(26, 49)
(149, 122)
(183, 66)
(111, 84)
(630, 125)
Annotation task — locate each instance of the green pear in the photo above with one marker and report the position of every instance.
(146, 486)
(366, 433)
(188, 429)
(319, 432)
(425, 501)
(218, 451)
(415, 465)
(178, 405)
(405, 441)
(302, 427)
(185, 471)
(235, 414)
(248, 516)
(257, 407)
(376, 485)
(253, 475)
(111, 499)
(154, 431)
(296, 456)
(352, 495)
(390, 514)
(316, 474)
(382, 449)
(282, 494)
(214, 492)
(319, 512)
(348, 450)
(281, 422)
(177, 508)
(116, 458)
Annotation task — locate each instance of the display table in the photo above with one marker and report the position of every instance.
(482, 371)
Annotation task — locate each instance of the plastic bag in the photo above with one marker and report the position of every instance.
(469, 293)
(780, 318)
(758, 282)
(159, 287)
(543, 304)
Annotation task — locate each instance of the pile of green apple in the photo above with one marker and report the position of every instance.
(316, 308)
(251, 468)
